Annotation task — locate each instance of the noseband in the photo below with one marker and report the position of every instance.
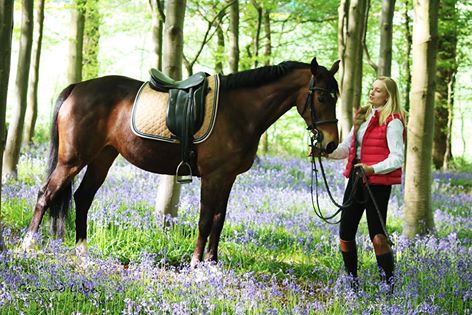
(309, 102)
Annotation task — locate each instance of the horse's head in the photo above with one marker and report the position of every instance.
(318, 106)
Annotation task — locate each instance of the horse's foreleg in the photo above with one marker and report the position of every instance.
(96, 173)
(59, 179)
(214, 199)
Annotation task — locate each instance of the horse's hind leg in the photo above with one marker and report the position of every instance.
(59, 180)
(214, 199)
(96, 173)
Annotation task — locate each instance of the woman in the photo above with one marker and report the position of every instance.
(375, 143)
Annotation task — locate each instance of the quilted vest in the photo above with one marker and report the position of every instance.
(374, 150)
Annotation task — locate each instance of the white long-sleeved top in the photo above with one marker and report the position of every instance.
(394, 141)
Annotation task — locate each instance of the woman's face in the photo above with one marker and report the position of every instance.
(378, 94)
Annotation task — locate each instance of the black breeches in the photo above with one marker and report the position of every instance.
(352, 215)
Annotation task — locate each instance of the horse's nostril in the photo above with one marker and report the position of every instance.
(331, 147)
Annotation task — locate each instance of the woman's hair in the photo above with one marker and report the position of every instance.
(393, 105)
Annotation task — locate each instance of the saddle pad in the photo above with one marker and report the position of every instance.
(148, 118)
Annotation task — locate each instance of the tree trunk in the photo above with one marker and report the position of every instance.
(406, 64)
(158, 19)
(267, 56)
(6, 28)
(418, 205)
(385, 53)
(446, 71)
(233, 34)
(168, 193)
(351, 28)
(220, 45)
(32, 107)
(76, 42)
(15, 131)
(91, 43)
(257, 35)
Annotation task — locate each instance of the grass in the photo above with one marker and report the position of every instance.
(276, 257)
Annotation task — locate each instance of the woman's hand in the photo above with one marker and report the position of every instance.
(368, 170)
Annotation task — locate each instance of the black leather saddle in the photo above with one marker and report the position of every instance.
(185, 114)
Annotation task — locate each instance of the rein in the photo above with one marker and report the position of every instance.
(358, 171)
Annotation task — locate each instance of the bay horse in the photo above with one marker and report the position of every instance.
(91, 126)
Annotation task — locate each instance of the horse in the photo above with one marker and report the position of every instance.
(91, 126)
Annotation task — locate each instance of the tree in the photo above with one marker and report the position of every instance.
(32, 106)
(15, 131)
(220, 45)
(76, 42)
(418, 204)
(168, 193)
(406, 62)
(386, 32)
(352, 15)
(6, 27)
(91, 40)
(233, 34)
(264, 145)
(158, 18)
(446, 73)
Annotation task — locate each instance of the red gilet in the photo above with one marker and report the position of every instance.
(374, 150)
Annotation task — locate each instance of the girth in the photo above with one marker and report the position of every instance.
(186, 110)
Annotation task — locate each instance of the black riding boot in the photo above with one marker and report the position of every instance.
(386, 263)
(385, 259)
(349, 252)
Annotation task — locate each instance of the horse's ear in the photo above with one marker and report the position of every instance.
(335, 67)
(314, 66)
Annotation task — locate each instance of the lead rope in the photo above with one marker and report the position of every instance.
(359, 173)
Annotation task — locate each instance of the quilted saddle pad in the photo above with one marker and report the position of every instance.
(148, 119)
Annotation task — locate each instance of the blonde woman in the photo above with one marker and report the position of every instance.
(375, 143)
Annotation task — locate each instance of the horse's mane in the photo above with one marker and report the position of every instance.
(260, 76)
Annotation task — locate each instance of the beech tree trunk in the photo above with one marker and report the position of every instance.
(350, 32)
(264, 146)
(406, 64)
(15, 130)
(168, 193)
(386, 32)
(220, 45)
(32, 106)
(76, 42)
(91, 44)
(233, 34)
(158, 18)
(446, 73)
(6, 28)
(418, 204)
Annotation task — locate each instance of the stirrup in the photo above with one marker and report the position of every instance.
(184, 179)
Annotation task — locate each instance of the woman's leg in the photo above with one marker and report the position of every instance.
(383, 251)
(348, 227)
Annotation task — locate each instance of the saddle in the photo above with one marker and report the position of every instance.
(185, 114)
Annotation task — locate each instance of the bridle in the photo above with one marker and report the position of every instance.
(317, 134)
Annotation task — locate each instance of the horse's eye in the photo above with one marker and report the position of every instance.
(322, 99)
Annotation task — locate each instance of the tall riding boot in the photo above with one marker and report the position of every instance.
(349, 252)
(385, 259)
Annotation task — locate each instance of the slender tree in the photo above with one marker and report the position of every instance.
(446, 73)
(6, 27)
(386, 32)
(91, 44)
(233, 34)
(407, 59)
(15, 130)
(32, 106)
(418, 205)
(220, 45)
(158, 18)
(264, 146)
(168, 193)
(350, 32)
(76, 41)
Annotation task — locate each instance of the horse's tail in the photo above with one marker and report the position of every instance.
(59, 206)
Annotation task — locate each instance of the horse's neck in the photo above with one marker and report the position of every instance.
(275, 99)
